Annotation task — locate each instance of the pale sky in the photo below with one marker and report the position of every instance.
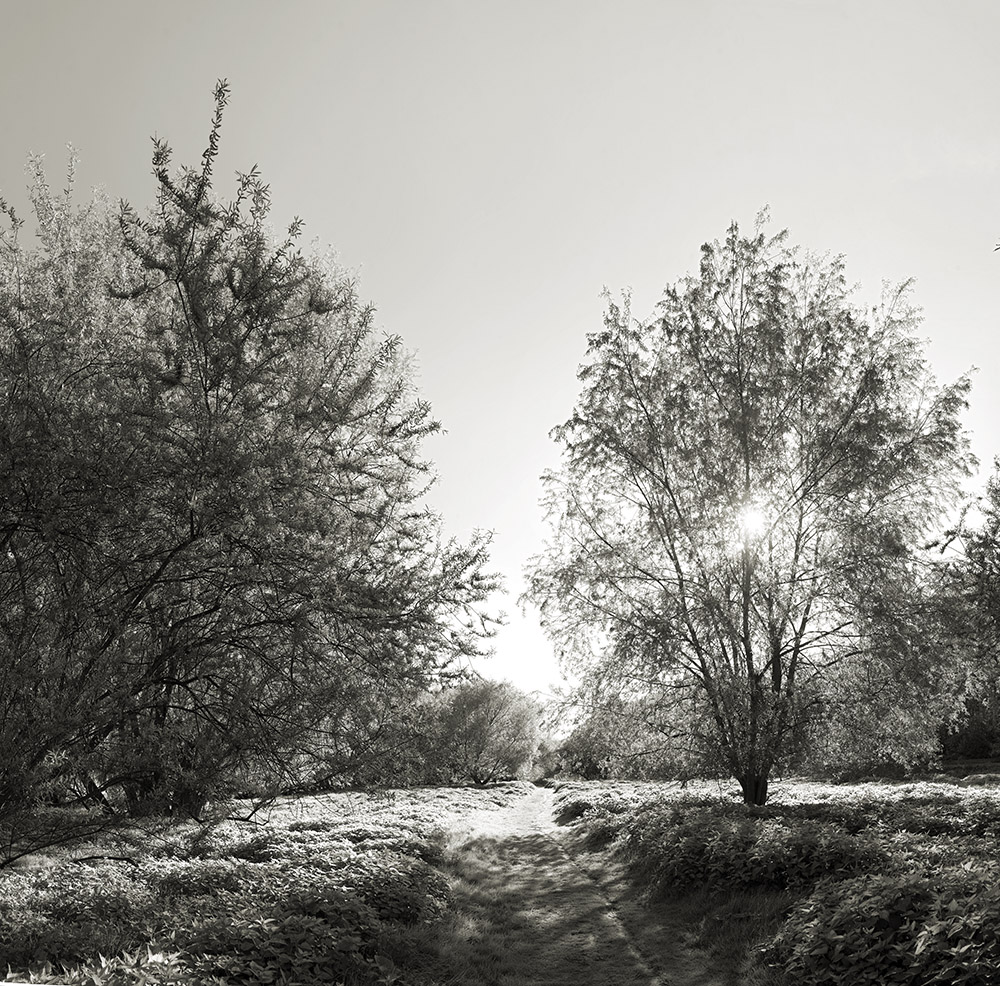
(488, 167)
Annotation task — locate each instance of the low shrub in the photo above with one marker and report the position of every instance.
(576, 804)
(599, 814)
(705, 848)
(254, 848)
(883, 884)
(572, 809)
(406, 891)
(909, 927)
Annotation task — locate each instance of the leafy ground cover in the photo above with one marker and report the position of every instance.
(825, 884)
(868, 883)
(320, 890)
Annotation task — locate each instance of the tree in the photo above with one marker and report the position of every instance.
(489, 731)
(746, 482)
(614, 738)
(211, 498)
(973, 587)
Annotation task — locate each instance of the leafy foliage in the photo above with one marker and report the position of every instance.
(70, 912)
(906, 927)
(688, 845)
(747, 480)
(216, 570)
(319, 902)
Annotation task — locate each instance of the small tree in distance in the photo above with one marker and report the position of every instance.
(488, 731)
(746, 482)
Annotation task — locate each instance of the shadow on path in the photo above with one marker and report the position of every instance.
(527, 912)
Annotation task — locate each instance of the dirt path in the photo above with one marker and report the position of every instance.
(558, 917)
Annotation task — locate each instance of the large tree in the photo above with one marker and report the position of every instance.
(745, 485)
(211, 498)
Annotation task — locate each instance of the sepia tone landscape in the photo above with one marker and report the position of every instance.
(489, 636)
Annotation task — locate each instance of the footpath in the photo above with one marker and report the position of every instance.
(560, 913)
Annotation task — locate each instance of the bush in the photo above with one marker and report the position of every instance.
(396, 839)
(573, 809)
(486, 731)
(255, 848)
(702, 847)
(293, 926)
(903, 928)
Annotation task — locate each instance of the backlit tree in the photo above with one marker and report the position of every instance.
(745, 484)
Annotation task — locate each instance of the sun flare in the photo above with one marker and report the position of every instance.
(753, 521)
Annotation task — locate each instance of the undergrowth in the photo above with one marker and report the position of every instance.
(868, 884)
(304, 903)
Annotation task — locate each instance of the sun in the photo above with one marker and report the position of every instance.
(753, 521)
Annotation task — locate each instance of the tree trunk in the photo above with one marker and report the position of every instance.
(146, 794)
(754, 788)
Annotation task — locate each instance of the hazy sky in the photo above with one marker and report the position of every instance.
(488, 167)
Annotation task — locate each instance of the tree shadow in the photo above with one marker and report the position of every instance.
(526, 911)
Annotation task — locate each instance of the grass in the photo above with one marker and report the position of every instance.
(727, 928)
(697, 936)
(476, 943)
(525, 913)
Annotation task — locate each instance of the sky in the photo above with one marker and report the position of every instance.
(488, 168)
